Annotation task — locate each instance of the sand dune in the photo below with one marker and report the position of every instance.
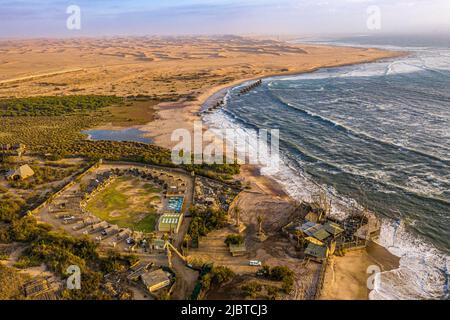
(155, 66)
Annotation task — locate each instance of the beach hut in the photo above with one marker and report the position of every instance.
(316, 252)
(333, 228)
(315, 230)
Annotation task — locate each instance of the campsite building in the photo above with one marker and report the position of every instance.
(237, 250)
(170, 222)
(155, 280)
(21, 173)
(316, 252)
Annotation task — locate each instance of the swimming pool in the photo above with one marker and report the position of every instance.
(175, 204)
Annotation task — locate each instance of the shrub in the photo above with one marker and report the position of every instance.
(251, 289)
(205, 221)
(235, 239)
(221, 275)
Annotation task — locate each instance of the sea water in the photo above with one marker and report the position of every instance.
(375, 135)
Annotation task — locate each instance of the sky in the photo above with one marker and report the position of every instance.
(47, 18)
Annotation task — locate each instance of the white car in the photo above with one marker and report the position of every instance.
(255, 263)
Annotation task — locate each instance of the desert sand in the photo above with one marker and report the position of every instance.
(185, 71)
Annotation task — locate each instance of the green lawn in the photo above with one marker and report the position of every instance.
(151, 188)
(116, 205)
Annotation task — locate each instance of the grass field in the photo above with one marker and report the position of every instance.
(128, 202)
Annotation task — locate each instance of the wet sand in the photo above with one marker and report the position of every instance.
(347, 277)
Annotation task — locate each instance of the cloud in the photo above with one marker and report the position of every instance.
(100, 17)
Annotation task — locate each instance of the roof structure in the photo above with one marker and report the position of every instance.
(237, 249)
(316, 251)
(315, 230)
(155, 280)
(22, 172)
(170, 222)
(333, 228)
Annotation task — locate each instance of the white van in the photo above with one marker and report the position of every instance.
(255, 263)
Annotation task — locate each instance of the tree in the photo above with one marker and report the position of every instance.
(235, 239)
(221, 275)
(187, 238)
(260, 219)
(300, 237)
(251, 289)
(237, 214)
(279, 273)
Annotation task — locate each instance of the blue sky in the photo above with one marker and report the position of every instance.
(32, 18)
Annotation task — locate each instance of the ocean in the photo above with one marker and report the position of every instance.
(374, 135)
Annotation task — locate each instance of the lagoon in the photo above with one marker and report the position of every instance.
(127, 134)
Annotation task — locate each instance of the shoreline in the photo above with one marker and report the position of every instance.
(267, 185)
(348, 277)
(219, 92)
(182, 114)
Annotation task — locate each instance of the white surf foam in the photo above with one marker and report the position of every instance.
(424, 270)
(419, 59)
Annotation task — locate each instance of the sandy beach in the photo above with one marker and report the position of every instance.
(182, 114)
(346, 277)
(187, 72)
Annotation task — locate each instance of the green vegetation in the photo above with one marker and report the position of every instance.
(10, 207)
(54, 106)
(216, 277)
(4, 255)
(52, 126)
(115, 262)
(147, 224)
(254, 289)
(58, 251)
(151, 188)
(251, 289)
(211, 277)
(235, 239)
(126, 203)
(280, 273)
(221, 172)
(10, 283)
(43, 175)
(205, 221)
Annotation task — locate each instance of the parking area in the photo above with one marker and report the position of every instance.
(70, 209)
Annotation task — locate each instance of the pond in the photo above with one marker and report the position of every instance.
(128, 134)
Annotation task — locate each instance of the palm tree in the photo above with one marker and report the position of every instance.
(186, 240)
(237, 213)
(300, 236)
(260, 221)
(151, 237)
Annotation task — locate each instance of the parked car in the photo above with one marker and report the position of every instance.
(255, 263)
